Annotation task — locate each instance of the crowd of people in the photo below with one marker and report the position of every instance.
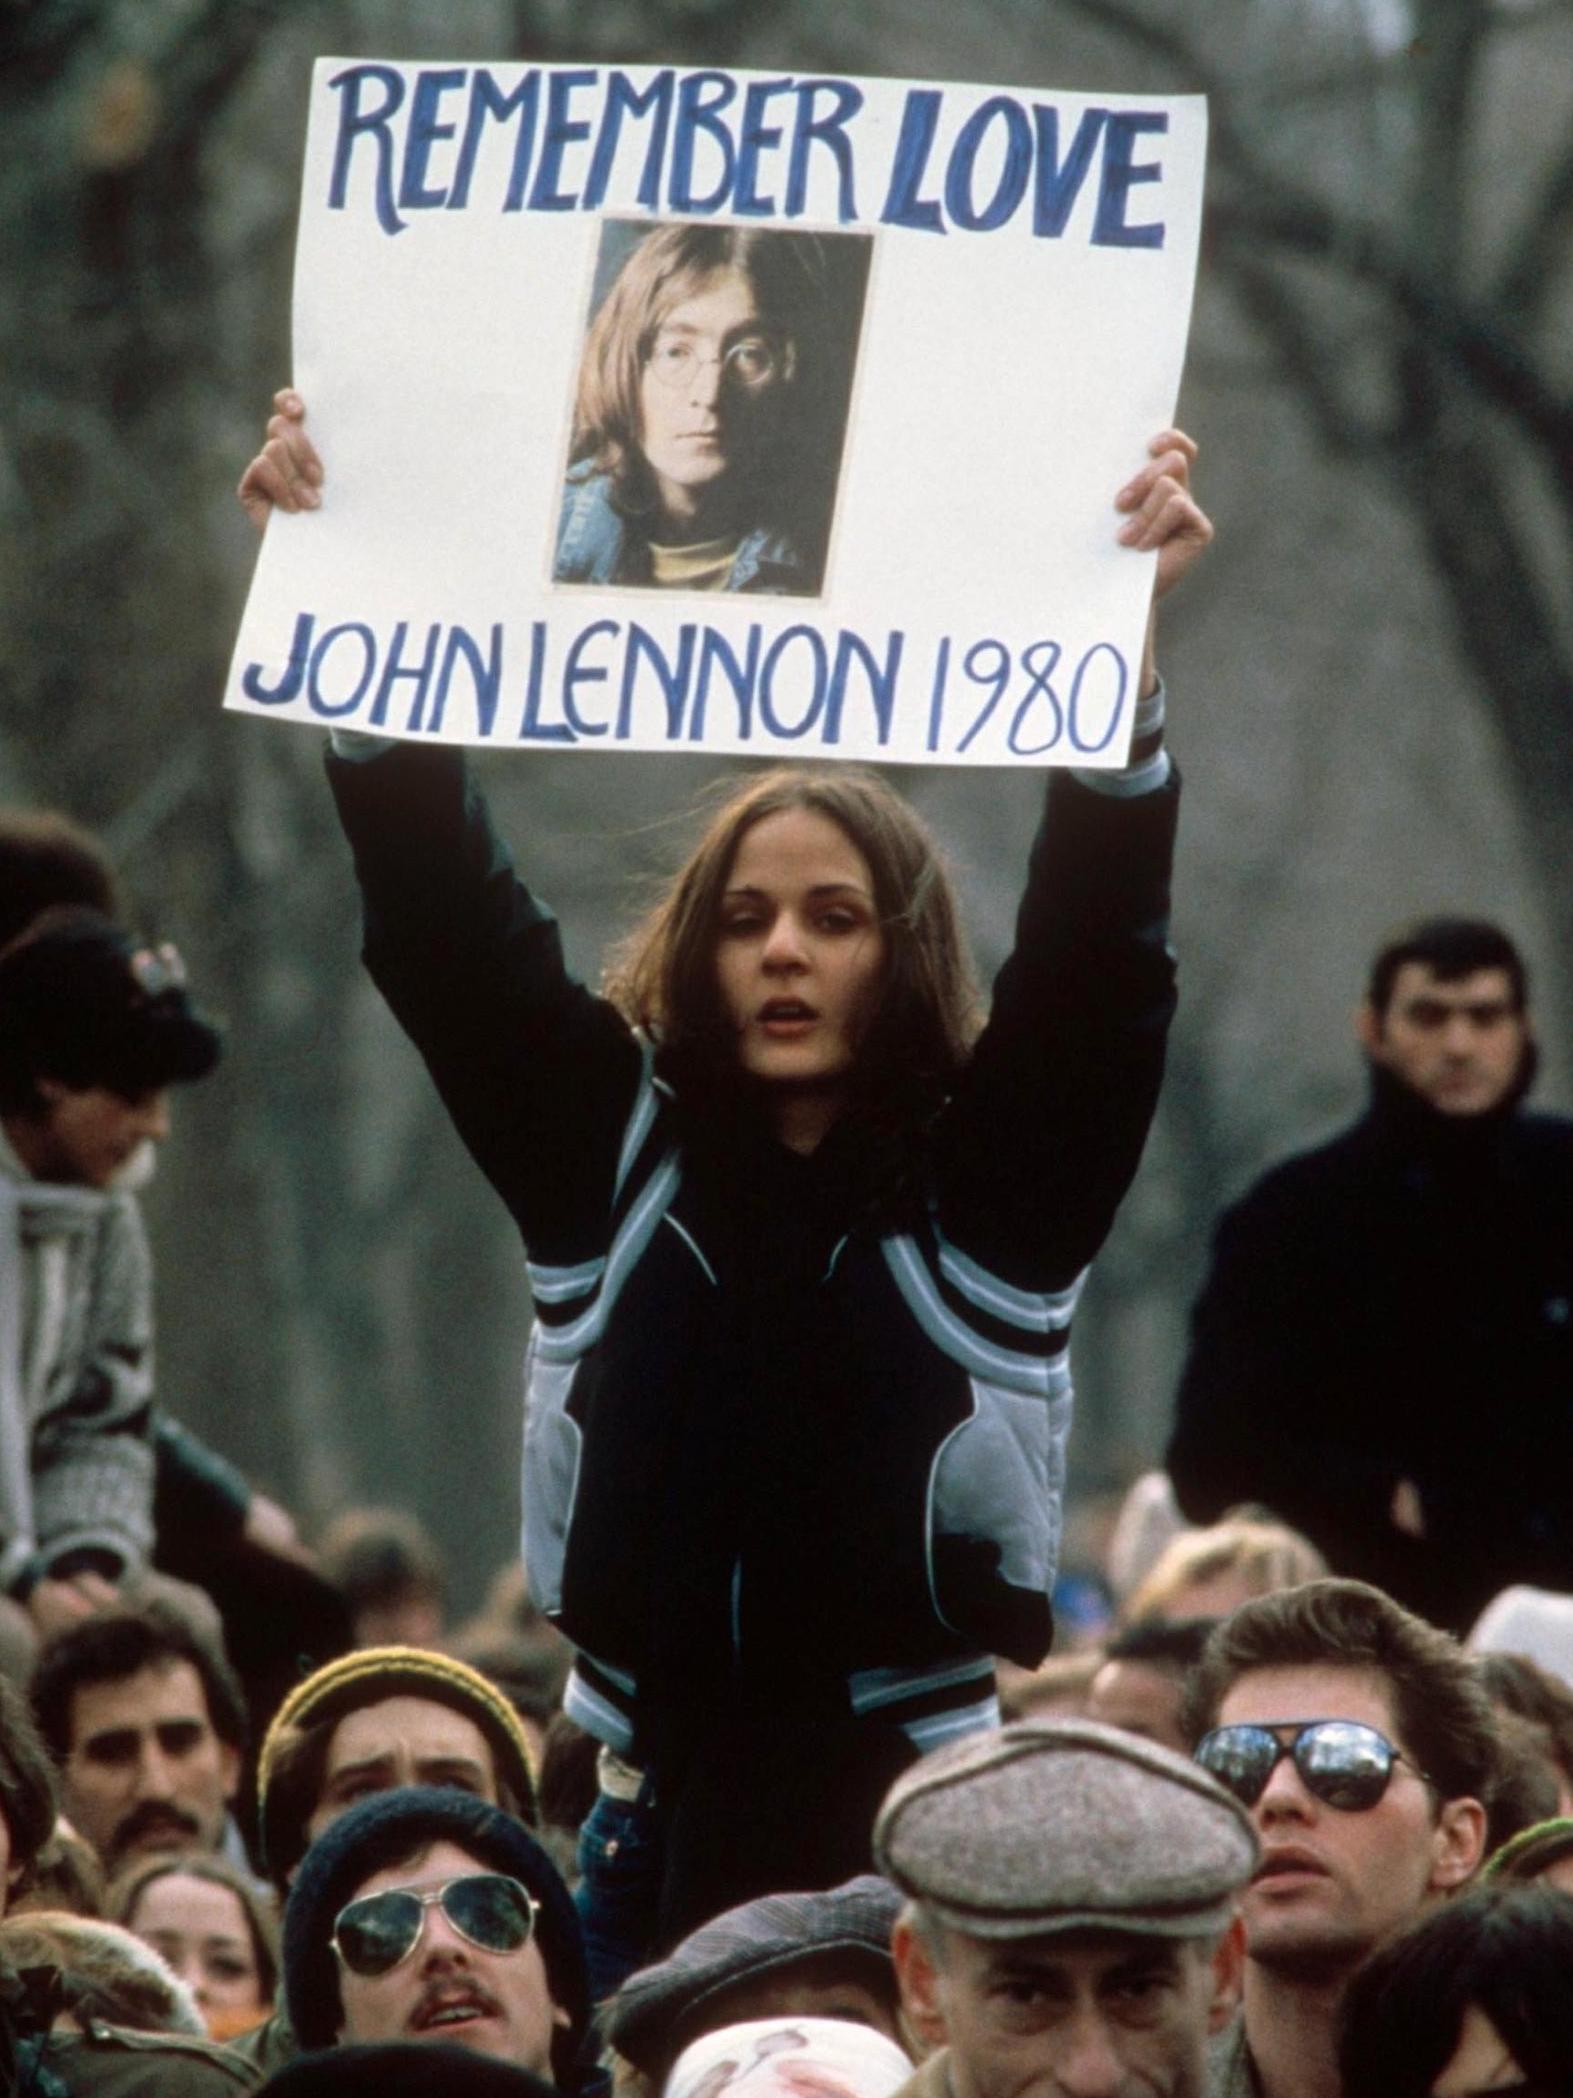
(1323, 1852)
(761, 1773)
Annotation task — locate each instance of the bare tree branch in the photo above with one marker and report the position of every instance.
(1525, 284)
(1283, 319)
(1494, 361)
(1263, 210)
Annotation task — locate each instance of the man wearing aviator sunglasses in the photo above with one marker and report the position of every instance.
(1363, 1747)
(377, 1932)
(1341, 1762)
(429, 1916)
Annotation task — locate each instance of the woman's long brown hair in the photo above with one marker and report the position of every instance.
(664, 977)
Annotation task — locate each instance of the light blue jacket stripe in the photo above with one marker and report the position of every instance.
(693, 1246)
(1145, 778)
(558, 1343)
(639, 1122)
(556, 1285)
(935, 1728)
(1039, 1311)
(588, 1709)
(872, 1687)
(1025, 1373)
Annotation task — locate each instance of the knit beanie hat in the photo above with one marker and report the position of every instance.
(1526, 1855)
(384, 1830)
(416, 2069)
(86, 1004)
(364, 1678)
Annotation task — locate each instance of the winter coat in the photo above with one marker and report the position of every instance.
(1397, 1304)
(76, 1379)
(768, 1437)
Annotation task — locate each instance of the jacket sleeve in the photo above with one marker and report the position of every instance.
(198, 1495)
(538, 1074)
(92, 1456)
(1046, 1129)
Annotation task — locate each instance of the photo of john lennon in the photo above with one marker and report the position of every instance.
(711, 409)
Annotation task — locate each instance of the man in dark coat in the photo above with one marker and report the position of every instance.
(1383, 1351)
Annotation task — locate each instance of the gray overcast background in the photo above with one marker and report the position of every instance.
(1370, 678)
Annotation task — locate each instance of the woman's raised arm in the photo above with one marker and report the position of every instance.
(1047, 1126)
(537, 1072)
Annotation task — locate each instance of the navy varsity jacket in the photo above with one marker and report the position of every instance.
(761, 1434)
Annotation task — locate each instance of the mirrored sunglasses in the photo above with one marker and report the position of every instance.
(1341, 1762)
(488, 1909)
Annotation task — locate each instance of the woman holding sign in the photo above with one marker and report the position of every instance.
(804, 1243)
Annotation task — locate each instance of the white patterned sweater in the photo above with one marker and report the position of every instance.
(76, 1376)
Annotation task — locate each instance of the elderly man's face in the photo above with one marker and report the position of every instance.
(498, 2003)
(1081, 2015)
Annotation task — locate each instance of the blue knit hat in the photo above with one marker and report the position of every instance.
(383, 1831)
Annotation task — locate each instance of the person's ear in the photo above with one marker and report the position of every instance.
(919, 1982)
(1369, 1030)
(1228, 1976)
(1458, 1843)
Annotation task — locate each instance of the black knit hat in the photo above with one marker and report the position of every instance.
(412, 2070)
(84, 1003)
(385, 1830)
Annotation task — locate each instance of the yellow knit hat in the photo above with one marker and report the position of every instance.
(373, 1673)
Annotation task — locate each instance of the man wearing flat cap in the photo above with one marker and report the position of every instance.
(94, 1028)
(824, 1955)
(1070, 1924)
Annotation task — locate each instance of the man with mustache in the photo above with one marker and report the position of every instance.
(1364, 1749)
(148, 1730)
(427, 1917)
(52, 2039)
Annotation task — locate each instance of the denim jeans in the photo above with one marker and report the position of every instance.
(619, 1892)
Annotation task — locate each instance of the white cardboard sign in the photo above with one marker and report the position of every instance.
(769, 414)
